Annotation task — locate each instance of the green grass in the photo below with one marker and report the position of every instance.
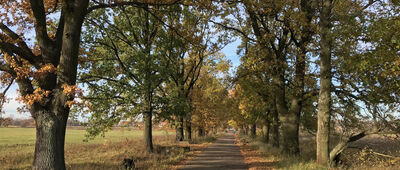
(23, 136)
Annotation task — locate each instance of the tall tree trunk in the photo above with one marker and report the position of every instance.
(288, 120)
(266, 130)
(200, 132)
(214, 130)
(179, 128)
(253, 130)
(149, 87)
(148, 136)
(242, 131)
(290, 128)
(290, 131)
(275, 129)
(324, 100)
(279, 90)
(50, 139)
(188, 127)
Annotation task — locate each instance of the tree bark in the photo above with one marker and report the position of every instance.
(50, 139)
(275, 129)
(289, 117)
(188, 127)
(324, 100)
(179, 128)
(253, 130)
(242, 131)
(266, 130)
(200, 132)
(288, 120)
(148, 133)
(290, 128)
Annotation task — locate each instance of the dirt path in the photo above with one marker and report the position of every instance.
(223, 154)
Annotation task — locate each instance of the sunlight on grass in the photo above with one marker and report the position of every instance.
(17, 147)
(13, 136)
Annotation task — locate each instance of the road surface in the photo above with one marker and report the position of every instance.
(223, 154)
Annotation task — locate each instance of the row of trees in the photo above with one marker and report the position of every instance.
(141, 64)
(157, 60)
(310, 63)
(5, 122)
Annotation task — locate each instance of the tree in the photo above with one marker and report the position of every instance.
(254, 77)
(209, 107)
(5, 122)
(365, 88)
(125, 68)
(341, 18)
(324, 99)
(252, 106)
(277, 34)
(45, 71)
(187, 49)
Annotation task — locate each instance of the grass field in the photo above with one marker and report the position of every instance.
(13, 136)
(17, 147)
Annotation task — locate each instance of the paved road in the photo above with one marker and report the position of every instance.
(223, 154)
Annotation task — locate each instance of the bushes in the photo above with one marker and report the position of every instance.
(5, 122)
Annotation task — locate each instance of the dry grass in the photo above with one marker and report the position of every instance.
(373, 152)
(259, 155)
(107, 154)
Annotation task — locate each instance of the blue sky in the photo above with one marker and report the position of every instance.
(230, 53)
(10, 108)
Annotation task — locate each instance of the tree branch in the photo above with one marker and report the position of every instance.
(6, 68)
(42, 37)
(7, 88)
(234, 29)
(21, 43)
(85, 79)
(131, 3)
(27, 55)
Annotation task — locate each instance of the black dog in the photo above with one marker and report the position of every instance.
(128, 164)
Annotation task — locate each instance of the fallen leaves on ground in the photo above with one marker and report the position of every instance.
(254, 159)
